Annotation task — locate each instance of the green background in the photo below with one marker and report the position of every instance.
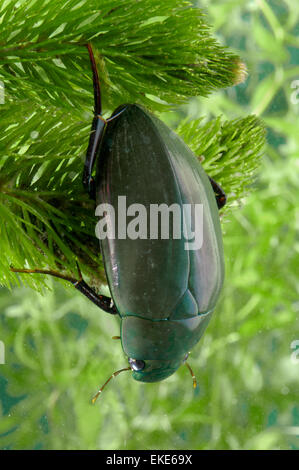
(59, 348)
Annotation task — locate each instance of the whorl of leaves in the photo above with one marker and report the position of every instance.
(150, 52)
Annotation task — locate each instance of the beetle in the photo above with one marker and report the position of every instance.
(163, 293)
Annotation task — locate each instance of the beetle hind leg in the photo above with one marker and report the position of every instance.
(219, 193)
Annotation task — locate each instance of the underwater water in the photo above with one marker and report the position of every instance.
(56, 348)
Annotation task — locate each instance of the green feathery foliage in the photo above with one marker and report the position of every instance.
(147, 52)
(228, 150)
(58, 347)
(148, 49)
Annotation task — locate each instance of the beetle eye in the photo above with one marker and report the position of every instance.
(136, 364)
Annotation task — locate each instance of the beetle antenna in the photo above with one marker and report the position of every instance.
(96, 82)
(107, 381)
(192, 375)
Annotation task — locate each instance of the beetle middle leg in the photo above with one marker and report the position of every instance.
(102, 301)
(219, 193)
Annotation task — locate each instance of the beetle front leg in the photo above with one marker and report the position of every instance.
(102, 301)
(96, 133)
(219, 193)
(97, 129)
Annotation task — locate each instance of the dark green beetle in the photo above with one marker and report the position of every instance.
(163, 293)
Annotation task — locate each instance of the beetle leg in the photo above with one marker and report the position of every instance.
(100, 300)
(97, 130)
(219, 193)
(96, 82)
(96, 133)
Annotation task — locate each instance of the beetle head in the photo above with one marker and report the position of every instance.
(153, 370)
(150, 371)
